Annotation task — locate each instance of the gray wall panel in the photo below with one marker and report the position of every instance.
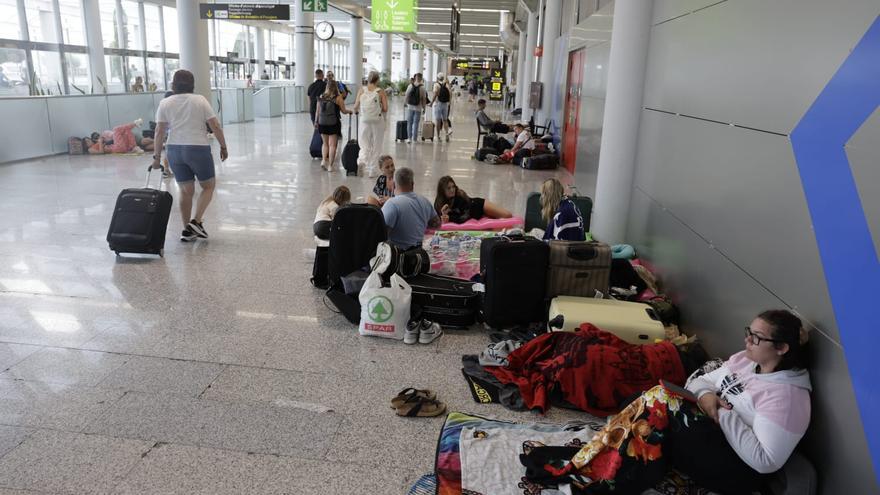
(864, 160)
(125, 109)
(78, 116)
(592, 113)
(24, 132)
(665, 10)
(740, 190)
(717, 299)
(720, 63)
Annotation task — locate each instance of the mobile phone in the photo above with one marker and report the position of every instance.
(678, 391)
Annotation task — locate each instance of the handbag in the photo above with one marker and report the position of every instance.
(391, 259)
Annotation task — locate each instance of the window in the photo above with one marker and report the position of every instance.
(78, 73)
(47, 69)
(132, 25)
(9, 20)
(115, 74)
(172, 43)
(41, 21)
(13, 72)
(156, 73)
(281, 45)
(135, 70)
(154, 31)
(171, 65)
(109, 24)
(72, 27)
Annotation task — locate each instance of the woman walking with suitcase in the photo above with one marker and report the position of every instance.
(184, 116)
(372, 105)
(331, 106)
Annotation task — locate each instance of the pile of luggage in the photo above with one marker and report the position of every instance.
(543, 157)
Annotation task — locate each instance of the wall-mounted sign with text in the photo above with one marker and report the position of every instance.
(394, 16)
(244, 11)
(496, 85)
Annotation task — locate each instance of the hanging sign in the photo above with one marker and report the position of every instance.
(496, 85)
(244, 11)
(314, 5)
(394, 16)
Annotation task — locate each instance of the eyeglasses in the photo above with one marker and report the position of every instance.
(756, 339)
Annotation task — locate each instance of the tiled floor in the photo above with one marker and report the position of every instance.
(218, 368)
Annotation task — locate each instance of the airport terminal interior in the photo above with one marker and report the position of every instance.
(637, 181)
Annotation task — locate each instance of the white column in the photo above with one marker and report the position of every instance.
(193, 36)
(304, 44)
(429, 66)
(630, 34)
(95, 42)
(552, 23)
(331, 57)
(420, 61)
(356, 54)
(531, 44)
(406, 58)
(521, 70)
(386, 53)
(260, 54)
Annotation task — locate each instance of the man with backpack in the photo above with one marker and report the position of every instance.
(316, 89)
(416, 98)
(442, 104)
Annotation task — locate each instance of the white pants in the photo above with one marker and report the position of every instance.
(370, 141)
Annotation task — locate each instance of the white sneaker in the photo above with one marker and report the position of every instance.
(409, 141)
(429, 332)
(411, 334)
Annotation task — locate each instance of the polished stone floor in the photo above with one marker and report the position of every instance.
(218, 368)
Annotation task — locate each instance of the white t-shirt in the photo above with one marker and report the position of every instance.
(526, 139)
(186, 115)
(326, 211)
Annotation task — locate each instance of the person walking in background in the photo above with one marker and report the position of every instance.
(442, 104)
(371, 105)
(184, 115)
(331, 106)
(316, 89)
(416, 98)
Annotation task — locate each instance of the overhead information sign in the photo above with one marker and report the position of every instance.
(314, 5)
(394, 16)
(455, 30)
(496, 85)
(245, 11)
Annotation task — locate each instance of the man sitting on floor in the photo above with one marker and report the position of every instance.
(486, 122)
(407, 214)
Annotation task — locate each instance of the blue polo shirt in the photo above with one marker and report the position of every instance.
(407, 215)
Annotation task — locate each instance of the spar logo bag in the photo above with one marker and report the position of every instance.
(384, 310)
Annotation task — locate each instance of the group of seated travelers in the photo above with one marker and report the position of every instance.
(519, 145)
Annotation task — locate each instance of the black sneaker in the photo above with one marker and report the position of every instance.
(198, 229)
(166, 173)
(188, 235)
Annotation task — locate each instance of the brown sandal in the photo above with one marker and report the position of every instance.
(421, 408)
(411, 394)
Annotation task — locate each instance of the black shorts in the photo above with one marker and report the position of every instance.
(321, 228)
(331, 129)
(476, 210)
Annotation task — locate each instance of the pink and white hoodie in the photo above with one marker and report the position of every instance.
(770, 414)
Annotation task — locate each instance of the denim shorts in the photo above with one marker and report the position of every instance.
(191, 161)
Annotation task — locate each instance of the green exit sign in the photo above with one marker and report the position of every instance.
(417, 46)
(394, 16)
(314, 5)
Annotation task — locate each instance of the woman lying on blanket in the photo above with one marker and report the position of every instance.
(748, 417)
(454, 205)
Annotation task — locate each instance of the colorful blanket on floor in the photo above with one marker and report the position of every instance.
(485, 223)
(455, 253)
(590, 369)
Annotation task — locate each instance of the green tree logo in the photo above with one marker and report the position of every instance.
(380, 309)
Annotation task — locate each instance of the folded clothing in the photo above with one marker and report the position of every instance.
(496, 354)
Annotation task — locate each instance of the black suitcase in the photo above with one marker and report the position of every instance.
(483, 152)
(451, 302)
(490, 140)
(140, 220)
(533, 211)
(320, 278)
(514, 272)
(315, 147)
(545, 161)
(351, 151)
(402, 131)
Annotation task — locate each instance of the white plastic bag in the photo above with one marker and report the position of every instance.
(384, 310)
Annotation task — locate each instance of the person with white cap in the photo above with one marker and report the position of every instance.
(442, 103)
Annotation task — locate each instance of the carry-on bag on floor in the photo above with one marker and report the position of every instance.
(636, 323)
(514, 272)
(533, 219)
(140, 220)
(351, 150)
(320, 278)
(402, 131)
(545, 161)
(315, 147)
(482, 153)
(578, 268)
(427, 129)
(451, 302)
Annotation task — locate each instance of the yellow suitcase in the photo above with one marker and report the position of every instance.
(633, 322)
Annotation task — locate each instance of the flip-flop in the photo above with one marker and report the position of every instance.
(411, 394)
(421, 408)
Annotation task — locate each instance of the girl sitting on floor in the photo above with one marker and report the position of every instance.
(454, 205)
(327, 210)
(564, 220)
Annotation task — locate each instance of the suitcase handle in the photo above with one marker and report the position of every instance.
(582, 253)
(652, 314)
(150, 172)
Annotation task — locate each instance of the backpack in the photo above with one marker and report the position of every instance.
(327, 112)
(443, 94)
(414, 97)
(371, 105)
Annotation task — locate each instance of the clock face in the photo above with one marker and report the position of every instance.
(324, 30)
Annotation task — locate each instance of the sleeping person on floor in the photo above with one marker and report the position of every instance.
(747, 417)
(454, 205)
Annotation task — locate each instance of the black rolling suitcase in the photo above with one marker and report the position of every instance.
(140, 220)
(351, 151)
(320, 278)
(545, 161)
(402, 131)
(451, 302)
(514, 272)
(315, 147)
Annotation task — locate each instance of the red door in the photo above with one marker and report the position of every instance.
(572, 109)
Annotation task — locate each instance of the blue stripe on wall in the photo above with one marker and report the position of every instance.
(840, 225)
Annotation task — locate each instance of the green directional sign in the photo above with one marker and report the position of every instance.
(394, 16)
(314, 5)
